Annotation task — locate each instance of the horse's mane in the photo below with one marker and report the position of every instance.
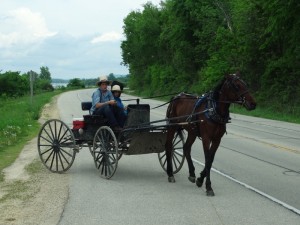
(217, 89)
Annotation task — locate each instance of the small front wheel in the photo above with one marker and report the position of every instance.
(105, 152)
(56, 146)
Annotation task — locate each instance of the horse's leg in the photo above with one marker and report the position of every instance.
(169, 149)
(203, 174)
(209, 158)
(187, 152)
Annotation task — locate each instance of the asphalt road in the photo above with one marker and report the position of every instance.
(256, 154)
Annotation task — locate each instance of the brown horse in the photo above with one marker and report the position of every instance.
(206, 118)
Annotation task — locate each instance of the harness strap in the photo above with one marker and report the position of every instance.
(212, 113)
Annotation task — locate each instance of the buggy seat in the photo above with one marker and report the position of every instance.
(92, 119)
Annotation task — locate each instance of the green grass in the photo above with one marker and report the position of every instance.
(267, 113)
(19, 124)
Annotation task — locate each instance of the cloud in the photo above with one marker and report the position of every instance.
(110, 36)
(21, 27)
(67, 57)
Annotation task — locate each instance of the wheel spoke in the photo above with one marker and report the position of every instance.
(47, 140)
(174, 163)
(49, 156)
(49, 149)
(61, 162)
(51, 138)
(59, 132)
(63, 155)
(56, 160)
(63, 135)
(176, 158)
(64, 151)
(51, 130)
(53, 157)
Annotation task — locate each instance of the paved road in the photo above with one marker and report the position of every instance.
(260, 154)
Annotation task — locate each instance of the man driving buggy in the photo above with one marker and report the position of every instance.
(103, 103)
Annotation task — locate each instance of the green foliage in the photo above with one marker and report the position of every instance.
(45, 73)
(188, 45)
(18, 124)
(75, 83)
(142, 31)
(12, 84)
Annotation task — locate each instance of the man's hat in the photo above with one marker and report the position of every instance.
(103, 79)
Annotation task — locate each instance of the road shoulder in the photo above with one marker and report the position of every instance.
(31, 194)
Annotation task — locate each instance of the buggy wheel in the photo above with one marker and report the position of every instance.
(105, 152)
(177, 156)
(56, 146)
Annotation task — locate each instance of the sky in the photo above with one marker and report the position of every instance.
(73, 38)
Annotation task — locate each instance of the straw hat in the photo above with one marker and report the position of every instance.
(116, 88)
(103, 79)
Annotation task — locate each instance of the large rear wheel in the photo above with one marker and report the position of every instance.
(56, 146)
(177, 153)
(105, 152)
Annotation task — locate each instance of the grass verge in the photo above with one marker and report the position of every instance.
(19, 124)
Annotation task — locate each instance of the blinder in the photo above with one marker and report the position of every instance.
(232, 83)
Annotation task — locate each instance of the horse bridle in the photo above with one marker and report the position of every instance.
(240, 96)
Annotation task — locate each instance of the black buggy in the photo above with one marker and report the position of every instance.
(58, 144)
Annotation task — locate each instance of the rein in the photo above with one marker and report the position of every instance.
(176, 118)
(157, 96)
(228, 102)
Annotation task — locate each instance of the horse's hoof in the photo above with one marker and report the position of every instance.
(171, 179)
(199, 182)
(210, 193)
(192, 179)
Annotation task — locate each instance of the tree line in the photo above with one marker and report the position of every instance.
(188, 45)
(14, 84)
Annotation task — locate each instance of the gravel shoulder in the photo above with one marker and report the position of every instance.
(30, 193)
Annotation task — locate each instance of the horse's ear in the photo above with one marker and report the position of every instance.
(227, 76)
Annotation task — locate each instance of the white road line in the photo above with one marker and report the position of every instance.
(253, 189)
(285, 205)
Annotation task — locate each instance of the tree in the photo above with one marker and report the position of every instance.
(12, 84)
(190, 44)
(111, 76)
(75, 83)
(140, 50)
(45, 73)
(44, 80)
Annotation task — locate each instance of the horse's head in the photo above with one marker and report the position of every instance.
(237, 91)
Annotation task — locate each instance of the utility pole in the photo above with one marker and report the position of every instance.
(31, 85)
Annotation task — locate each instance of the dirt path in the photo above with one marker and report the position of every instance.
(33, 195)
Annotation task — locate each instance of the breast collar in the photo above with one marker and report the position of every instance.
(212, 113)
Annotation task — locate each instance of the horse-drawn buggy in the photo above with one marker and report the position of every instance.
(204, 117)
(58, 144)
